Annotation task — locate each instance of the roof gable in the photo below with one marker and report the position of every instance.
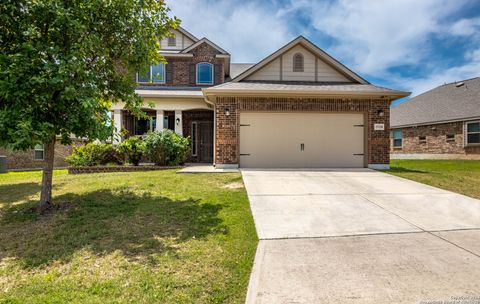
(187, 33)
(201, 41)
(318, 66)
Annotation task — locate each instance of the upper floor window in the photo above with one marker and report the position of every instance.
(154, 73)
(397, 138)
(298, 62)
(204, 73)
(172, 41)
(473, 132)
(158, 73)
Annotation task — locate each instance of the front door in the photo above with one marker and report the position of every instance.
(205, 143)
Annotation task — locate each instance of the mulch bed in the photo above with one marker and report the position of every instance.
(105, 169)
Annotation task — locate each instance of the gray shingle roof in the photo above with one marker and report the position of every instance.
(301, 88)
(238, 68)
(447, 102)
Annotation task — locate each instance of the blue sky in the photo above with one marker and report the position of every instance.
(412, 45)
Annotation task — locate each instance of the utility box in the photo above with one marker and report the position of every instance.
(3, 164)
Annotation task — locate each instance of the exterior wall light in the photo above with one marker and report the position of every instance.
(380, 113)
(177, 121)
(227, 112)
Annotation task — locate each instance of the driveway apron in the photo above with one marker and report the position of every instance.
(360, 236)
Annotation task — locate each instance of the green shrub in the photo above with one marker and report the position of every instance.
(92, 154)
(167, 148)
(132, 149)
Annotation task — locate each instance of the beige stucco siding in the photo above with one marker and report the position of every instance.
(269, 72)
(182, 42)
(301, 140)
(169, 104)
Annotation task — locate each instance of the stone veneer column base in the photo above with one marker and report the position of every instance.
(226, 166)
(379, 166)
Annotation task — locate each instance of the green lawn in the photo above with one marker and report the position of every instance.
(461, 176)
(146, 237)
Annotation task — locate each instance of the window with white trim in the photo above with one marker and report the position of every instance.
(204, 73)
(154, 73)
(194, 139)
(38, 152)
(298, 62)
(144, 75)
(473, 133)
(158, 73)
(397, 138)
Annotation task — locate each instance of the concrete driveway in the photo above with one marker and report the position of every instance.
(360, 236)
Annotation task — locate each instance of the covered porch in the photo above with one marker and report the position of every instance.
(189, 116)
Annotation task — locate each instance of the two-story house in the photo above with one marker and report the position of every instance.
(298, 107)
(175, 90)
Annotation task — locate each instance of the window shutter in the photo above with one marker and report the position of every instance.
(217, 74)
(169, 74)
(192, 72)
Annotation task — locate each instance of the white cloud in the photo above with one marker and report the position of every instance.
(466, 27)
(370, 36)
(377, 35)
(248, 30)
(441, 76)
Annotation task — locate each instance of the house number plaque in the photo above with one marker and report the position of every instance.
(379, 127)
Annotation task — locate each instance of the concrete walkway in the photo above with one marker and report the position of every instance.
(360, 236)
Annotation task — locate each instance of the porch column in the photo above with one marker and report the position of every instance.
(160, 120)
(117, 121)
(178, 122)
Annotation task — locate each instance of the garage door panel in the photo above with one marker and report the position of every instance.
(275, 140)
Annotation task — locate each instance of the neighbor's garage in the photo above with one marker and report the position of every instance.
(301, 140)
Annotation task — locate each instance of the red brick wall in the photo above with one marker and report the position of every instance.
(183, 69)
(436, 136)
(227, 127)
(25, 159)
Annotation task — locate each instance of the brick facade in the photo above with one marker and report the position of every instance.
(436, 140)
(227, 127)
(25, 159)
(182, 71)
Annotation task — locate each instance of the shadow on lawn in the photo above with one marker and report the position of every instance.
(104, 221)
(18, 192)
(404, 170)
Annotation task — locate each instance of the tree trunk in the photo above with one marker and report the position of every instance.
(46, 194)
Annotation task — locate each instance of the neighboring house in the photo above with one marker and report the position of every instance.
(33, 158)
(299, 107)
(443, 123)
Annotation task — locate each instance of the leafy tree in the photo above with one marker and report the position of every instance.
(64, 62)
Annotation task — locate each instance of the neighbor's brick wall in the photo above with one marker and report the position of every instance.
(182, 72)
(25, 159)
(227, 127)
(190, 116)
(437, 143)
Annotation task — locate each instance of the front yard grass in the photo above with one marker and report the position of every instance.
(142, 237)
(461, 176)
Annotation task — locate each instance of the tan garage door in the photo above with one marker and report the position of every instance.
(301, 140)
